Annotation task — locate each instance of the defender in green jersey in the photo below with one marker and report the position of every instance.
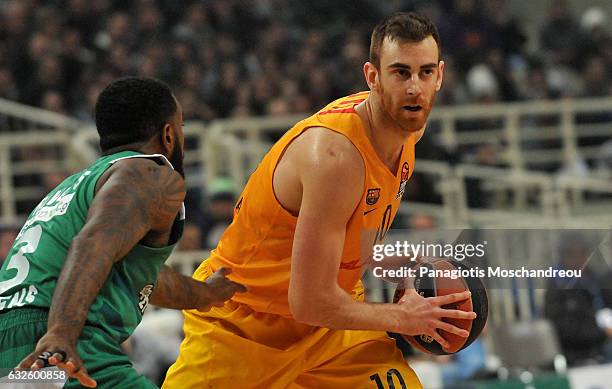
(91, 256)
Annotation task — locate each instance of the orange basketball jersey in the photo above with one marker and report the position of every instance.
(257, 245)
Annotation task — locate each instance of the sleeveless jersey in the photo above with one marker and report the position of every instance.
(29, 274)
(257, 245)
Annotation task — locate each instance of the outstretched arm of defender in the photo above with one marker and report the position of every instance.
(176, 291)
(332, 175)
(136, 197)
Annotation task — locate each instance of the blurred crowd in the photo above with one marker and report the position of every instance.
(237, 58)
(232, 58)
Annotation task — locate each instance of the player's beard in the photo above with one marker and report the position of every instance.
(176, 159)
(394, 111)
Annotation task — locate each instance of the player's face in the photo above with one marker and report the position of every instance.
(409, 77)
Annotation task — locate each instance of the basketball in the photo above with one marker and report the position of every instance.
(440, 277)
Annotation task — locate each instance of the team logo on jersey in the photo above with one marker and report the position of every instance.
(404, 180)
(426, 338)
(373, 196)
(143, 299)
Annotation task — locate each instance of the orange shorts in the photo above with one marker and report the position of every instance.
(236, 347)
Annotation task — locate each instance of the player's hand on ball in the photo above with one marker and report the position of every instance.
(219, 289)
(420, 315)
(54, 350)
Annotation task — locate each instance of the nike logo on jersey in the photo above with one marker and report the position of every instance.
(368, 211)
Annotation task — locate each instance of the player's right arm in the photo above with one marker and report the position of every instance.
(135, 198)
(331, 173)
(177, 291)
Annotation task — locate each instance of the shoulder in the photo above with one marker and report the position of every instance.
(322, 148)
(146, 176)
(331, 170)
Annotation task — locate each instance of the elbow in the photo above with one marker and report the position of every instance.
(314, 309)
(302, 311)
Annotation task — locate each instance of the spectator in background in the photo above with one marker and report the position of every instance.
(454, 91)
(536, 86)
(482, 84)
(74, 57)
(154, 345)
(603, 164)
(595, 37)
(421, 188)
(560, 35)
(192, 238)
(8, 88)
(48, 75)
(221, 203)
(496, 62)
(53, 101)
(477, 195)
(510, 33)
(269, 57)
(595, 78)
(213, 50)
(572, 168)
(53, 179)
(8, 234)
(421, 221)
(473, 33)
(85, 111)
(572, 303)
(464, 365)
(278, 107)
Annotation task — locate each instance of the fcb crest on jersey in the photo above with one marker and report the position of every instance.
(403, 180)
(373, 196)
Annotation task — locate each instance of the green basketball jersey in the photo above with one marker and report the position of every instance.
(29, 274)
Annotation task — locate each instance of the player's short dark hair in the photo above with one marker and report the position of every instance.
(402, 27)
(132, 109)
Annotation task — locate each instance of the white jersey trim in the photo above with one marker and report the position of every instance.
(163, 157)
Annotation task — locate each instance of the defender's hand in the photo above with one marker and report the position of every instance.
(53, 350)
(219, 289)
(424, 315)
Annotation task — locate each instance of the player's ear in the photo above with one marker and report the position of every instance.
(168, 138)
(440, 75)
(371, 76)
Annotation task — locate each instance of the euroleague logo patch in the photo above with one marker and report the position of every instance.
(404, 180)
(373, 196)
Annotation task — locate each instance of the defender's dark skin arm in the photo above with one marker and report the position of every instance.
(176, 291)
(137, 200)
(139, 196)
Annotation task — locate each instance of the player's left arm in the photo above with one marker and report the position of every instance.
(176, 291)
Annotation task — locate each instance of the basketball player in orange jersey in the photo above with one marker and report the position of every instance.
(297, 237)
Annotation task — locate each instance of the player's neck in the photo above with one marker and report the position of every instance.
(386, 139)
(141, 147)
